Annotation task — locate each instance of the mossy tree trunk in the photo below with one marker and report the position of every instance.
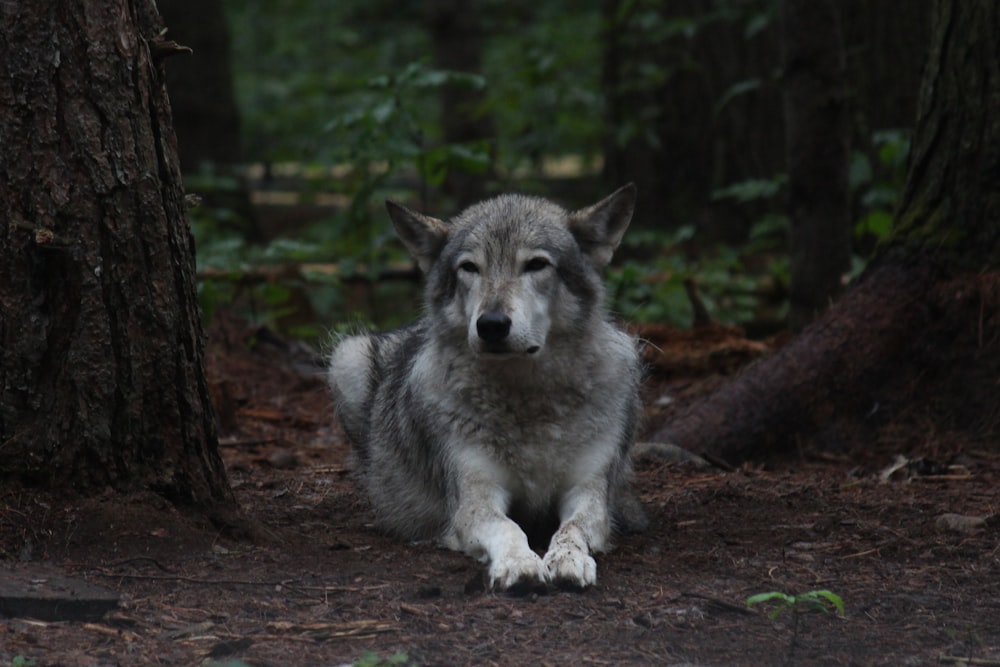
(950, 207)
(919, 336)
(102, 380)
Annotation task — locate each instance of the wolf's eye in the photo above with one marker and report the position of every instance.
(536, 264)
(468, 267)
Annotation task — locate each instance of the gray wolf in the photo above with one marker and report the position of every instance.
(513, 402)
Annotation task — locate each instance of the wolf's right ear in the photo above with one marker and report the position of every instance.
(599, 228)
(422, 235)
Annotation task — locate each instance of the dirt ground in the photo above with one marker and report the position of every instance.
(320, 586)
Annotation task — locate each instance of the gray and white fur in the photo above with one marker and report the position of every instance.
(513, 402)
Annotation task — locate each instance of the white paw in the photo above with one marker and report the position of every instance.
(518, 573)
(570, 567)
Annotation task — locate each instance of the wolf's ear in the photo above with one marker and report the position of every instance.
(599, 228)
(422, 235)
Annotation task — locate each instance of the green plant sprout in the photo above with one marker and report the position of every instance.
(804, 602)
(372, 659)
(812, 601)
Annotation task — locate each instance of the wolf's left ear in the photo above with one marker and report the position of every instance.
(599, 228)
(422, 235)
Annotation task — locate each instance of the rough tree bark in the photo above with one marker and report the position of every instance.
(817, 148)
(919, 335)
(102, 378)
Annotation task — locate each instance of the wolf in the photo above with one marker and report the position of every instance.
(510, 407)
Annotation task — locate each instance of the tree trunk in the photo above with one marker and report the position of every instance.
(102, 378)
(950, 207)
(919, 337)
(817, 145)
(457, 45)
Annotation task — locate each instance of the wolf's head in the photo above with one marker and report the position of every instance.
(509, 272)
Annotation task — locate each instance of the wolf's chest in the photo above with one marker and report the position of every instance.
(539, 440)
(524, 402)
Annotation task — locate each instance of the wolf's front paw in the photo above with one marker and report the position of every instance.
(518, 574)
(570, 567)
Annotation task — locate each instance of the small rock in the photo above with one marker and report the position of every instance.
(644, 619)
(959, 523)
(664, 451)
(282, 459)
(48, 594)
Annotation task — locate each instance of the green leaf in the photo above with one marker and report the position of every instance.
(384, 111)
(735, 90)
(769, 226)
(811, 601)
(770, 597)
(750, 190)
(274, 294)
(893, 146)
(685, 27)
(816, 597)
(756, 24)
(785, 602)
(878, 223)
(860, 171)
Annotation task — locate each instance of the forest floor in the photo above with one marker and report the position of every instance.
(320, 586)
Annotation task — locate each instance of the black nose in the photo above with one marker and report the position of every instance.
(493, 327)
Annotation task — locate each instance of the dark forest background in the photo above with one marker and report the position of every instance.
(297, 118)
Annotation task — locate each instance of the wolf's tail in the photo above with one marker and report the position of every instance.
(350, 379)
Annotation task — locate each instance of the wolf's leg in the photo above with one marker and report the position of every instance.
(480, 527)
(585, 527)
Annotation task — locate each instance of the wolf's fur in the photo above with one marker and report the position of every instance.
(513, 395)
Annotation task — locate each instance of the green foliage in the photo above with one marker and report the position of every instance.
(226, 259)
(347, 91)
(361, 89)
(812, 601)
(879, 183)
(299, 63)
(372, 659)
(737, 89)
(876, 184)
(21, 661)
(751, 190)
(358, 104)
(543, 91)
(390, 126)
(659, 45)
(653, 290)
